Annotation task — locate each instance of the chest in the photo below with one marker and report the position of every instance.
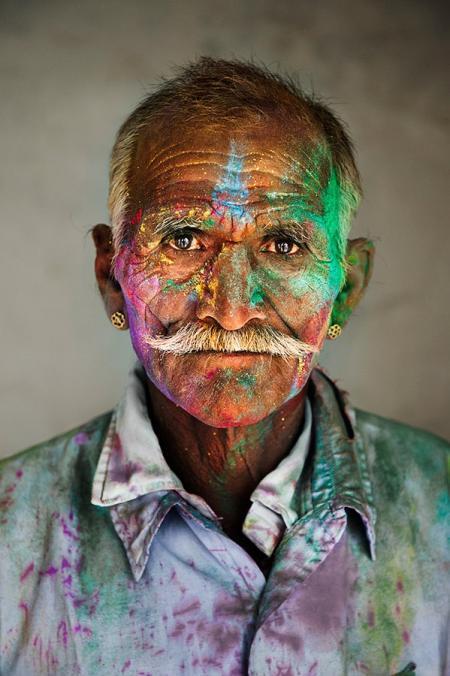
(204, 607)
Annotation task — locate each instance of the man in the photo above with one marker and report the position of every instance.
(233, 514)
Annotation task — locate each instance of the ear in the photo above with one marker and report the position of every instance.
(359, 265)
(108, 286)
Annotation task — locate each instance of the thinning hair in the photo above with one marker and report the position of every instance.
(218, 93)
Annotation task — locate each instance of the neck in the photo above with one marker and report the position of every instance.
(224, 465)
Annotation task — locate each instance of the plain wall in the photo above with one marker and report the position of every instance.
(72, 71)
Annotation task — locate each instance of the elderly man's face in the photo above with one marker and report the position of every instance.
(236, 232)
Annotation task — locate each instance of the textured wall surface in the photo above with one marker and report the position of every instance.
(70, 73)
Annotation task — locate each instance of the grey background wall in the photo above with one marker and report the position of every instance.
(71, 72)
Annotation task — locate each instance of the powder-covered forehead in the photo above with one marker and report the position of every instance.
(227, 165)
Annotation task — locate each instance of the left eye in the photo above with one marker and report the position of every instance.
(282, 246)
(184, 241)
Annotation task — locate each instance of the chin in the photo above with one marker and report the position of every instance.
(228, 407)
(227, 391)
(222, 419)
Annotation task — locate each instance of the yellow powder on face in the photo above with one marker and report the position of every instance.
(213, 285)
(199, 289)
(165, 259)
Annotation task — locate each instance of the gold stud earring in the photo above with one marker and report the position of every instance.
(334, 331)
(118, 320)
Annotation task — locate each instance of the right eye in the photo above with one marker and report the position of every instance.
(184, 241)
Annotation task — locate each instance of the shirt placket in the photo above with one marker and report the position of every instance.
(331, 481)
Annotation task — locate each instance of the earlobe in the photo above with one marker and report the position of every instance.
(107, 284)
(359, 265)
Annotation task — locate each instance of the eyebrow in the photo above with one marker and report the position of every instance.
(292, 229)
(172, 224)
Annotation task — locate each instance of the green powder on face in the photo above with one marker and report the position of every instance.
(171, 284)
(247, 380)
(327, 203)
(257, 297)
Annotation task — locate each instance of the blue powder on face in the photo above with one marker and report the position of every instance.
(231, 190)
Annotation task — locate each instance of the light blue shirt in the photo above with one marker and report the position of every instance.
(107, 566)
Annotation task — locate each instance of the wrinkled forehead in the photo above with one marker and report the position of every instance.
(241, 164)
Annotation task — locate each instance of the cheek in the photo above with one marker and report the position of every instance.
(154, 302)
(303, 299)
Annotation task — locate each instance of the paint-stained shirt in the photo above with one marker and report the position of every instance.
(107, 566)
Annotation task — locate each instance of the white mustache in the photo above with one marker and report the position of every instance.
(206, 338)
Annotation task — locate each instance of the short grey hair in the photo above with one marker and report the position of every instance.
(217, 93)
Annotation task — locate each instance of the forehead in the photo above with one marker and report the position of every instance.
(247, 166)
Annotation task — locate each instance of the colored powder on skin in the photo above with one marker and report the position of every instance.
(230, 188)
(329, 208)
(257, 297)
(247, 380)
(172, 285)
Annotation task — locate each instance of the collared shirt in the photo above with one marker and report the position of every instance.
(147, 582)
(132, 465)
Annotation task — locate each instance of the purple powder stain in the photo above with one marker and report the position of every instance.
(81, 438)
(284, 638)
(179, 629)
(80, 564)
(62, 633)
(371, 618)
(126, 665)
(19, 473)
(120, 470)
(181, 610)
(51, 571)
(405, 636)
(79, 629)
(65, 563)
(91, 601)
(67, 531)
(26, 571)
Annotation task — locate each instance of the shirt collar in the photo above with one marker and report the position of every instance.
(135, 481)
(131, 462)
(338, 476)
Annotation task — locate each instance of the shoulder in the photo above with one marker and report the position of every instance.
(409, 442)
(45, 472)
(408, 465)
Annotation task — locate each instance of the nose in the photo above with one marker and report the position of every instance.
(233, 296)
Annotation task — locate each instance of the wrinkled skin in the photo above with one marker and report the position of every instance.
(255, 248)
